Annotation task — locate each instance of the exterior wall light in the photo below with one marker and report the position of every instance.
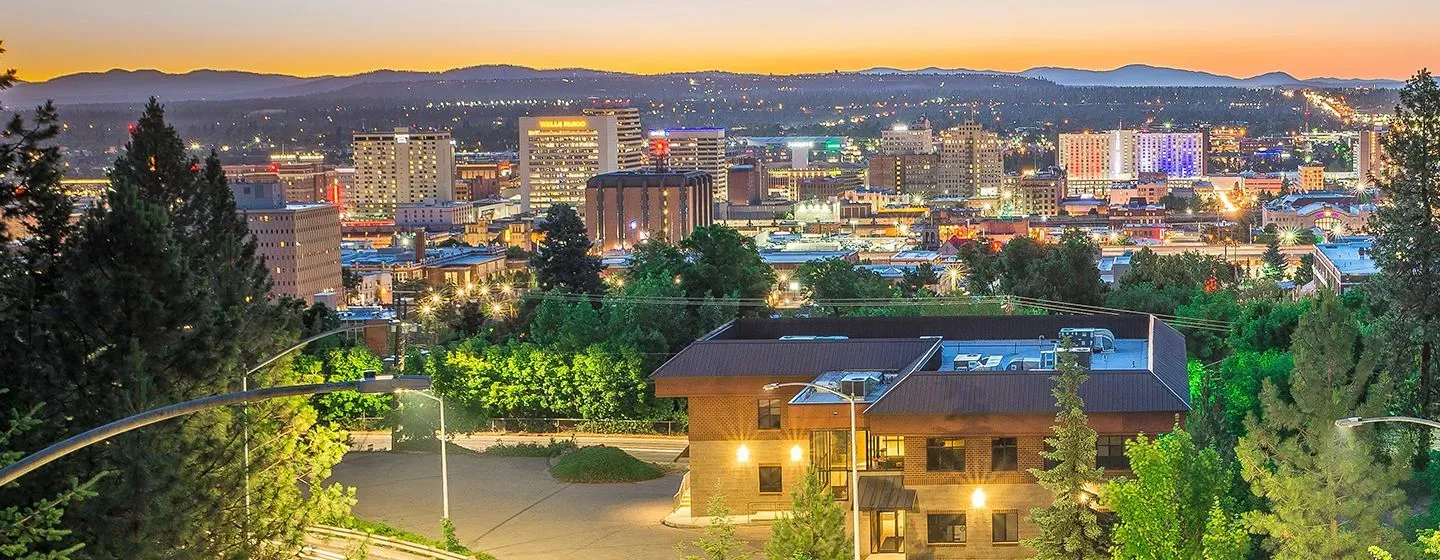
(742, 454)
(977, 498)
(796, 453)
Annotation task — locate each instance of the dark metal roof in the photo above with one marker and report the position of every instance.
(1168, 359)
(885, 492)
(1023, 392)
(739, 358)
(952, 328)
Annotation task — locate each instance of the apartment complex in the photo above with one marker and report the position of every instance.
(305, 176)
(1344, 265)
(699, 148)
(952, 413)
(970, 161)
(300, 242)
(626, 207)
(400, 167)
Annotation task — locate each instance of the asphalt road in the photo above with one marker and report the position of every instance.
(646, 448)
(512, 508)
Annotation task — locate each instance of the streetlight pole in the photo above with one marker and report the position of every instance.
(854, 455)
(1354, 421)
(65, 447)
(444, 458)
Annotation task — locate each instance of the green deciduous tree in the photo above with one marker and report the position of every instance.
(1407, 237)
(1069, 527)
(814, 529)
(1328, 495)
(563, 261)
(725, 264)
(1169, 509)
(919, 280)
(838, 279)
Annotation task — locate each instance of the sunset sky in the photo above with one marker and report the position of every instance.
(1345, 38)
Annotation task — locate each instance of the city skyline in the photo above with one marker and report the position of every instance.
(318, 38)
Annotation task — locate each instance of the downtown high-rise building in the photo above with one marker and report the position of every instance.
(1094, 160)
(970, 161)
(629, 136)
(1370, 159)
(400, 167)
(908, 139)
(701, 149)
(559, 155)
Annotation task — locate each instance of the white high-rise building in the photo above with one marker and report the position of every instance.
(559, 155)
(1094, 156)
(400, 167)
(629, 136)
(702, 149)
(902, 139)
(970, 161)
(1179, 155)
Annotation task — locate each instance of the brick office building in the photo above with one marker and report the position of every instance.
(953, 411)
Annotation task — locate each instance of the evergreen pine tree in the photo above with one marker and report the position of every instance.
(1275, 263)
(814, 529)
(719, 542)
(1407, 238)
(174, 304)
(1069, 528)
(563, 261)
(1328, 495)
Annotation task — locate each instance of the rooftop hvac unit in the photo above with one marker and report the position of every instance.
(858, 384)
(1099, 340)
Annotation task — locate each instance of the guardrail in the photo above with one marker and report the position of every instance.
(584, 426)
(326, 532)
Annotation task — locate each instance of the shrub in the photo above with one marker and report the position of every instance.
(601, 463)
(555, 448)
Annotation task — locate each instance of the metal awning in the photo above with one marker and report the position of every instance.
(885, 492)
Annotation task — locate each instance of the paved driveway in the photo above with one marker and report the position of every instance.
(658, 449)
(510, 507)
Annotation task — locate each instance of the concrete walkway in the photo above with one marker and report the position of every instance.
(510, 507)
(657, 449)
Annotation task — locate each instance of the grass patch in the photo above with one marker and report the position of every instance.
(555, 448)
(385, 530)
(599, 463)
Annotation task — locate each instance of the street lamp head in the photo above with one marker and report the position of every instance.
(1350, 422)
(393, 384)
(772, 386)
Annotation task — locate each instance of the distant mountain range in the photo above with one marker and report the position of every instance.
(1137, 75)
(131, 86)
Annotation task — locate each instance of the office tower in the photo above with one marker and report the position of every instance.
(914, 138)
(558, 155)
(1370, 158)
(699, 148)
(970, 161)
(1179, 155)
(1040, 194)
(629, 136)
(300, 242)
(1312, 177)
(626, 207)
(916, 174)
(401, 167)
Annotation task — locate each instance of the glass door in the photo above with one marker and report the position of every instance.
(888, 532)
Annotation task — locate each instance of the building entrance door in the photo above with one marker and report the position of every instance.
(888, 532)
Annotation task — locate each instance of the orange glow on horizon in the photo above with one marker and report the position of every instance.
(1388, 39)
